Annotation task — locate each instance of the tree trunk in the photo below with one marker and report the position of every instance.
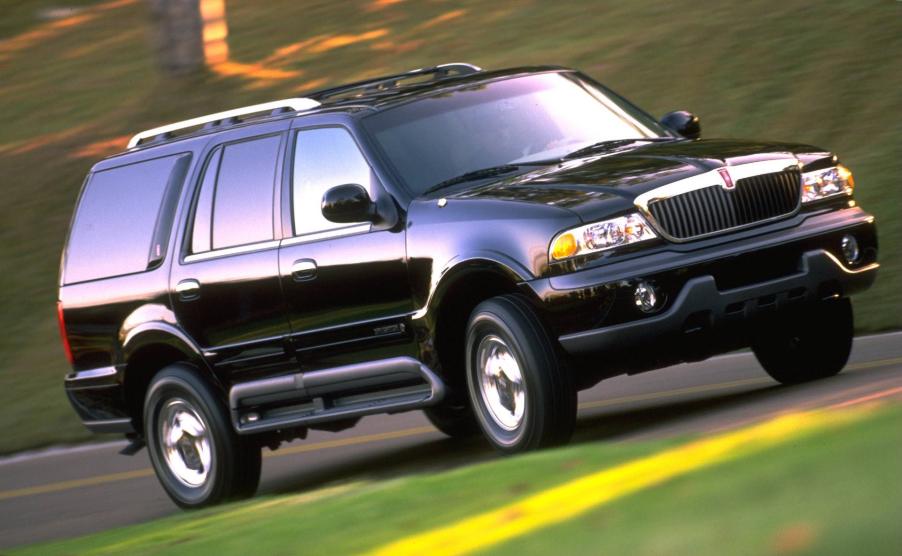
(178, 35)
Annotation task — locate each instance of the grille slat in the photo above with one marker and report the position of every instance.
(713, 209)
(716, 211)
(696, 220)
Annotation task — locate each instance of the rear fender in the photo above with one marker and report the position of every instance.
(155, 325)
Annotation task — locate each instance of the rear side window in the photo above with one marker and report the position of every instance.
(235, 202)
(118, 226)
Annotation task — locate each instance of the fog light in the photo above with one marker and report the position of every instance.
(850, 250)
(646, 297)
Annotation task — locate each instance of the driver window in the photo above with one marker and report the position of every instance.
(323, 158)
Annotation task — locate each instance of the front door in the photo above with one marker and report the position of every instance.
(226, 290)
(346, 285)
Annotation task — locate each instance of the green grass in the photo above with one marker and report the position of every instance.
(825, 73)
(834, 490)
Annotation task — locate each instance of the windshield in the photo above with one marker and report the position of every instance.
(511, 121)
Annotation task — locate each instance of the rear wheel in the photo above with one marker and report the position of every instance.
(807, 345)
(521, 394)
(454, 418)
(196, 454)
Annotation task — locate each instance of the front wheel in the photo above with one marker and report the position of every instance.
(196, 454)
(522, 395)
(809, 345)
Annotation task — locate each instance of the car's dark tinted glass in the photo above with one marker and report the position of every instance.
(521, 119)
(243, 203)
(323, 158)
(201, 237)
(113, 229)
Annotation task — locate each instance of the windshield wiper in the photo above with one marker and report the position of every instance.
(613, 144)
(476, 175)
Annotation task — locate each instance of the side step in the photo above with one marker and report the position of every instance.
(297, 400)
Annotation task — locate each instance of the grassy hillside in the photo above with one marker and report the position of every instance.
(72, 89)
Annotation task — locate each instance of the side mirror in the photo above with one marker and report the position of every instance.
(684, 123)
(348, 203)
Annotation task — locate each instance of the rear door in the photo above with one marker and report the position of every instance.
(346, 285)
(225, 286)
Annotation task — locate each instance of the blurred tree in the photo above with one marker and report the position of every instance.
(189, 34)
(178, 35)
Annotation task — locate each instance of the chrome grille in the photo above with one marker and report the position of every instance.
(714, 209)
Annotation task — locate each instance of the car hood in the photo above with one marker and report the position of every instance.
(604, 183)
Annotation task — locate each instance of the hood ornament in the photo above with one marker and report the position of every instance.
(728, 183)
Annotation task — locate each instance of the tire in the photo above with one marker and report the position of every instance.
(807, 345)
(522, 396)
(454, 419)
(208, 463)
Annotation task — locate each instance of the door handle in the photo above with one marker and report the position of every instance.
(188, 289)
(303, 270)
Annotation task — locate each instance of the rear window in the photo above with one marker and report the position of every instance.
(117, 227)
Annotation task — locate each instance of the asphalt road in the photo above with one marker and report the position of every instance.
(63, 493)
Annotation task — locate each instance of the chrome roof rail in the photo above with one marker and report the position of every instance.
(460, 65)
(296, 104)
(388, 82)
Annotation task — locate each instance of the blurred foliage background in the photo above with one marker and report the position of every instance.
(78, 77)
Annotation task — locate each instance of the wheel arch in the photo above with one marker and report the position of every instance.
(460, 290)
(149, 348)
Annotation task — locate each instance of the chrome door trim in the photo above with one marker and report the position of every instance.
(328, 234)
(228, 251)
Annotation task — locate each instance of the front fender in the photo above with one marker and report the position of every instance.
(464, 266)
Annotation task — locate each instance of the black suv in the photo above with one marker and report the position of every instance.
(480, 244)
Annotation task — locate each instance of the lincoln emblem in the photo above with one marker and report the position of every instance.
(727, 178)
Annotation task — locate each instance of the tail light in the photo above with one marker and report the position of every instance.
(63, 335)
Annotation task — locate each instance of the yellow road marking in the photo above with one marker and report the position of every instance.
(872, 364)
(148, 472)
(76, 483)
(720, 386)
(351, 441)
(570, 499)
(404, 433)
(674, 393)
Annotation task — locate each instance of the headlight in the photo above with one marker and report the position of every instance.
(600, 236)
(827, 183)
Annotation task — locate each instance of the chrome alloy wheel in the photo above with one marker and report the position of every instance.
(185, 443)
(500, 383)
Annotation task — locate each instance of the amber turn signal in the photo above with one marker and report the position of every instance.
(846, 175)
(564, 246)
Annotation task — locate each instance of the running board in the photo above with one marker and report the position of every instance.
(350, 391)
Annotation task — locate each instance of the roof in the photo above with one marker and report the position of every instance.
(375, 93)
(381, 92)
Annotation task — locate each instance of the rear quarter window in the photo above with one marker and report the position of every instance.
(118, 226)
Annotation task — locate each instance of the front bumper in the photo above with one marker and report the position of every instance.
(706, 286)
(700, 304)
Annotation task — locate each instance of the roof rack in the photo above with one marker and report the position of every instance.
(391, 81)
(230, 116)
